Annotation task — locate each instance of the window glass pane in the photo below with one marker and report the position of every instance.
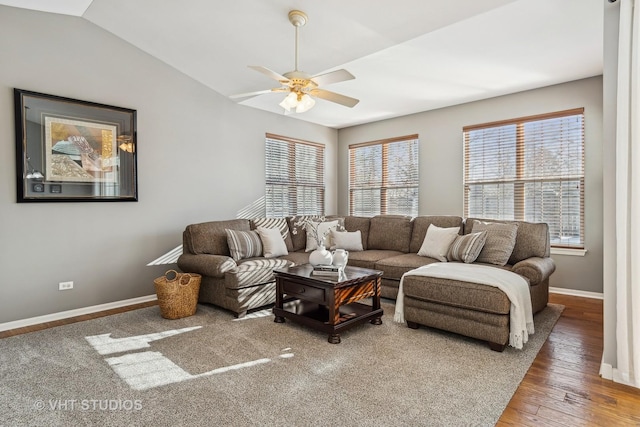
(491, 201)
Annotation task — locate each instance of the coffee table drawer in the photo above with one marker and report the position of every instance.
(305, 292)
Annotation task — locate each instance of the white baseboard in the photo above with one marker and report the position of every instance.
(72, 313)
(608, 372)
(576, 293)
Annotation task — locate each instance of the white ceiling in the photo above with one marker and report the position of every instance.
(407, 55)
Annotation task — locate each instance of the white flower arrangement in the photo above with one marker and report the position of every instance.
(311, 224)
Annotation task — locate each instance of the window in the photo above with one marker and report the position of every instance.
(294, 177)
(529, 169)
(383, 177)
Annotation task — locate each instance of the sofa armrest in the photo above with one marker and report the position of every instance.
(535, 269)
(206, 264)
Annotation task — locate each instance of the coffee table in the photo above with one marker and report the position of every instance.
(326, 303)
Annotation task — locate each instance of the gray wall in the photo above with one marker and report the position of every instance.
(441, 161)
(200, 158)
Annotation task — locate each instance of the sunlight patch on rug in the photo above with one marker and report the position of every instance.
(150, 369)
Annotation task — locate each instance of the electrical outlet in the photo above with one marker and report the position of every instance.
(64, 286)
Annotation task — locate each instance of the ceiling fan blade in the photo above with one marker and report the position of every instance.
(259, 92)
(269, 73)
(332, 77)
(335, 97)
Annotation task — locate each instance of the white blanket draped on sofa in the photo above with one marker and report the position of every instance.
(513, 285)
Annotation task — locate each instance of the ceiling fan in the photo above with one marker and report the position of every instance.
(300, 86)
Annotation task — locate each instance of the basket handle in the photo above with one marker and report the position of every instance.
(175, 274)
(188, 277)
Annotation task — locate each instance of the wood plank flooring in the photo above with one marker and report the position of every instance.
(562, 387)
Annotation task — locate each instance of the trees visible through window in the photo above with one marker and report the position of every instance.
(383, 177)
(294, 177)
(529, 169)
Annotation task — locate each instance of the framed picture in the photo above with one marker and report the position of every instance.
(69, 150)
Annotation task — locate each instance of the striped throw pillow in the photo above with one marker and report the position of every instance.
(467, 248)
(243, 244)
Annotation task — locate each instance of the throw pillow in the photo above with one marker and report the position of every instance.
(501, 239)
(272, 242)
(347, 240)
(243, 244)
(437, 241)
(279, 223)
(319, 232)
(467, 248)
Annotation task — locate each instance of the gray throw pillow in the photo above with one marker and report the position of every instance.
(501, 239)
(467, 248)
(243, 244)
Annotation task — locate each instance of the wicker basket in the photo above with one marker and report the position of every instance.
(177, 297)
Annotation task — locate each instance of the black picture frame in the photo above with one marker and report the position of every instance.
(68, 150)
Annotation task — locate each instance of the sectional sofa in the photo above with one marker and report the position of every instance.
(390, 243)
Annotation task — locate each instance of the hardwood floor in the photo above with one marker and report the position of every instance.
(562, 387)
(40, 327)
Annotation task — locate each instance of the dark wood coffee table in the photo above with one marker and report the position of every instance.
(328, 304)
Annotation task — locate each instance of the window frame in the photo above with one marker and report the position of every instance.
(520, 179)
(385, 182)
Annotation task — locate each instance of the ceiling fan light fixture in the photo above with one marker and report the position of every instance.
(290, 101)
(305, 104)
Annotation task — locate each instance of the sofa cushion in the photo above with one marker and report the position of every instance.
(368, 258)
(243, 244)
(252, 272)
(347, 240)
(501, 238)
(297, 258)
(457, 294)
(272, 242)
(359, 223)
(467, 248)
(437, 242)
(394, 267)
(279, 223)
(421, 225)
(532, 239)
(211, 237)
(390, 232)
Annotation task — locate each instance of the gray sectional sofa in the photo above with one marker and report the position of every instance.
(391, 244)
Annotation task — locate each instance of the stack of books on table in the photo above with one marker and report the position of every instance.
(326, 270)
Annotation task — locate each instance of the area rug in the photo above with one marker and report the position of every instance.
(136, 368)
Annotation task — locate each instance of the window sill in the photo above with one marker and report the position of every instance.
(568, 251)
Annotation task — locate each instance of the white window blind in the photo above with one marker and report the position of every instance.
(294, 177)
(529, 169)
(383, 177)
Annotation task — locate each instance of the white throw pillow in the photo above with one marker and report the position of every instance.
(273, 244)
(347, 240)
(437, 242)
(323, 230)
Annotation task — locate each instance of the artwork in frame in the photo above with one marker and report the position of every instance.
(72, 150)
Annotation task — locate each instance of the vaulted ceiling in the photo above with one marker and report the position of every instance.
(407, 55)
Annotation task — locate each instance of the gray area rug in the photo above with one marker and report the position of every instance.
(212, 369)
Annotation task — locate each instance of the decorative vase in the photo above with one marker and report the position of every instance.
(320, 256)
(340, 258)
